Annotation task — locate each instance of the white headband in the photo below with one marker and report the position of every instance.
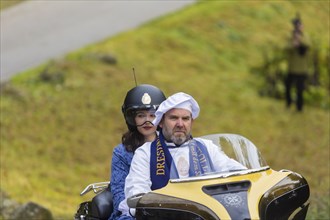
(178, 100)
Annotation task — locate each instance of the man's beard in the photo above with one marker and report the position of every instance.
(176, 139)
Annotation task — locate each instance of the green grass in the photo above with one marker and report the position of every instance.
(4, 4)
(57, 133)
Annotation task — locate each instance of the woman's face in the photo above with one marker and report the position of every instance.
(143, 121)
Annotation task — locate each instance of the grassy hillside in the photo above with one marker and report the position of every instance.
(8, 3)
(60, 121)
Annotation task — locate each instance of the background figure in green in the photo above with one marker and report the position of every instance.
(298, 58)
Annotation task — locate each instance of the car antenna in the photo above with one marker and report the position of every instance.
(134, 76)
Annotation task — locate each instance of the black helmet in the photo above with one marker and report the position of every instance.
(142, 97)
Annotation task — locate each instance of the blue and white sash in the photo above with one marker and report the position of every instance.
(160, 163)
(162, 168)
(199, 159)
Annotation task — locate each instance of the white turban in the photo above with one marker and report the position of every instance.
(178, 100)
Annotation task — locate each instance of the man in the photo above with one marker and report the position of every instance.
(298, 59)
(174, 153)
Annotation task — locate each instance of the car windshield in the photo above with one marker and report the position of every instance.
(216, 155)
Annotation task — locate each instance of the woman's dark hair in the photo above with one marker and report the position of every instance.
(132, 140)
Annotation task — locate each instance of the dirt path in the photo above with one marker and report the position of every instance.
(36, 31)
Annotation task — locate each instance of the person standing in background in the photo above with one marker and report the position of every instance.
(297, 54)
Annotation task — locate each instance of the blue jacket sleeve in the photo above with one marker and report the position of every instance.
(120, 165)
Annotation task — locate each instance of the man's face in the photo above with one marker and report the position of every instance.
(176, 125)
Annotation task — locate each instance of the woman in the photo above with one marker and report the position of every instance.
(139, 107)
